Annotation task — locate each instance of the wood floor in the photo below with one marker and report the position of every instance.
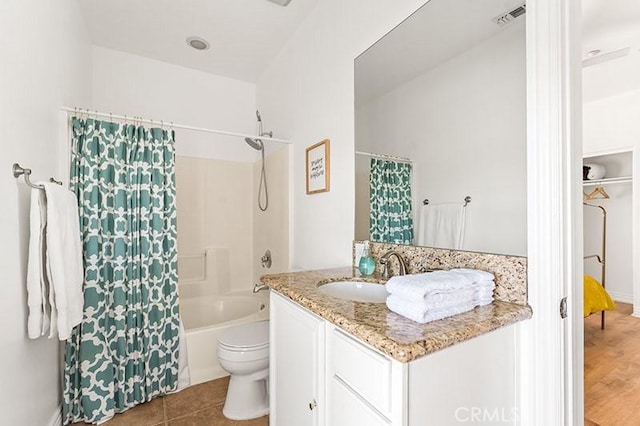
(199, 405)
(612, 369)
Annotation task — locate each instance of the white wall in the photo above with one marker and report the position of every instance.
(46, 63)
(137, 86)
(464, 125)
(308, 91)
(611, 123)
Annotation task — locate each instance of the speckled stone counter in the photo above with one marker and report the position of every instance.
(390, 333)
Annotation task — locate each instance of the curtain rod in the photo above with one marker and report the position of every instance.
(90, 113)
(385, 157)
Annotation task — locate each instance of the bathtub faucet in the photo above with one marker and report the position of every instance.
(257, 287)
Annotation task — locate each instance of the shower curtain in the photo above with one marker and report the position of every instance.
(125, 351)
(390, 211)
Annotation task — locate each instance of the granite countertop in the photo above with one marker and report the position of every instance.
(388, 332)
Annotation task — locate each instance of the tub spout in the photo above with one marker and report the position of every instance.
(258, 287)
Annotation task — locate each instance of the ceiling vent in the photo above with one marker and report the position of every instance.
(505, 18)
(281, 2)
(599, 58)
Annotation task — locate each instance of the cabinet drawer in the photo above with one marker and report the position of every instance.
(362, 369)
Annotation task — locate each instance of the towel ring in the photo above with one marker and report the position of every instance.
(467, 200)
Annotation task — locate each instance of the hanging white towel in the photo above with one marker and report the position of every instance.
(37, 279)
(442, 225)
(64, 257)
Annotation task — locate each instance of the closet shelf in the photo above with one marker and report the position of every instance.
(625, 179)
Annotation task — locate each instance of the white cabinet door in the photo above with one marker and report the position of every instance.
(350, 409)
(296, 365)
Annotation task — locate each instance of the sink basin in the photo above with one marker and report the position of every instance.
(357, 291)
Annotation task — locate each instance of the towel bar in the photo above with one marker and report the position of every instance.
(21, 171)
(467, 200)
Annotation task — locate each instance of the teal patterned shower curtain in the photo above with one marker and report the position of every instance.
(390, 202)
(125, 351)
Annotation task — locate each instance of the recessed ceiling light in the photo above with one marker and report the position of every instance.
(593, 52)
(198, 43)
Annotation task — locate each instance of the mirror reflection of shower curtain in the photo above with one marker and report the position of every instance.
(390, 202)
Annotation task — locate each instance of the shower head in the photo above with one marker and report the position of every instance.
(256, 144)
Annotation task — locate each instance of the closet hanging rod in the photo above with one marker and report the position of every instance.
(467, 200)
(170, 124)
(385, 157)
(21, 171)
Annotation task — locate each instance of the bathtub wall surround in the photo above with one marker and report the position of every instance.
(215, 219)
(510, 271)
(271, 227)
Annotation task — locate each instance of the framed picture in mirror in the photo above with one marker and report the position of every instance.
(318, 167)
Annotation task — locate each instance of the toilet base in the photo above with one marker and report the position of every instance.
(247, 397)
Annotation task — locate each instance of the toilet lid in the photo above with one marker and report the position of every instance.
(246, 335)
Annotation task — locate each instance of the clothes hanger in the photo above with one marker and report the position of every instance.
(598, 192)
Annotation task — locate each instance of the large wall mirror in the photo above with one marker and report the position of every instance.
(440, 115)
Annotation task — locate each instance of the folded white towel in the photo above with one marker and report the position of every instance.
(448, 299)
(64, 255)
(476, 275)
(422, 315)
(37, 280)
(419, 286)
(432, 304)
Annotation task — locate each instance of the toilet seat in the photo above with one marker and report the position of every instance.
(252, 336)
(243, 348)
(242, 355)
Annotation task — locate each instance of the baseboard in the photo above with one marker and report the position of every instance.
(636, 312)
(621, 297)
(56, 418)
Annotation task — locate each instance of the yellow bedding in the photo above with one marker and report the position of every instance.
(596, 298)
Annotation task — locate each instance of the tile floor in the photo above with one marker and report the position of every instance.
(199, 405)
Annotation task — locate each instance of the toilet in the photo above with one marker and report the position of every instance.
(243, 351)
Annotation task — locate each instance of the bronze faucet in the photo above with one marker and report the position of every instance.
(384, 260)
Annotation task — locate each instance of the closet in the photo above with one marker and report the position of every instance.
(609, 247)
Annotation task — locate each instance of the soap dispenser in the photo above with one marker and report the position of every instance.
(367, 265)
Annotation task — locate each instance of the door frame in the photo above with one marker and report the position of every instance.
(550, 358)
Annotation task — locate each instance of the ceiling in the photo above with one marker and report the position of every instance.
(245, 35)
(609, 25)
(439, 31)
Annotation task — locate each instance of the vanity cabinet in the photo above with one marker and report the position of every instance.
(324, 376)
(296, 368)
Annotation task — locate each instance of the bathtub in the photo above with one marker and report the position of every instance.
(205, 317)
